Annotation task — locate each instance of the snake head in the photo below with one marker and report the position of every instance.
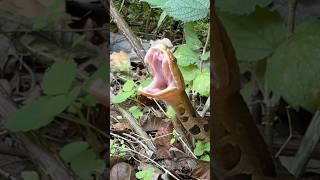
(167, 79)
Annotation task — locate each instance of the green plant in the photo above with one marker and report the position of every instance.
(129, 90)
(170, 113)
(82, 159)
(117, 148)
(202, 149)
(135, 111)
(174, 138)
(188, 54)
(59, 96)
(145, 174)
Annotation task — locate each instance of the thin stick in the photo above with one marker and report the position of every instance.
(292, 4)
(289, 137)
(157, 164)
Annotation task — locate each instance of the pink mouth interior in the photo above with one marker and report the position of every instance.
(162, 77)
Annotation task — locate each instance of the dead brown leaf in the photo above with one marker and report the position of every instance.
(120, 127)
(120, 61)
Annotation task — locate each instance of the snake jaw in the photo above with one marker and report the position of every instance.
(165, 83)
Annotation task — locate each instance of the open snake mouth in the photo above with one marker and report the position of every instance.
(163, 80)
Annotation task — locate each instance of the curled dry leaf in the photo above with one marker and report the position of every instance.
(162, 140)
(122, 171)
(120, 127)
(120, 61)
(197, 169)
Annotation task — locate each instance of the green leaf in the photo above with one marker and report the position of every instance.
(161, 18)
(190, 72)
(129, 85)
(293, 70)
(83, 160)
(135, 111)
(170, 112)
(89, 101)
(86, 163)
(241, 6)
(72, 150)
(205, 157)
(58, 79)
(190, 34)
(30, 175)
(78, 39)
(247, 90)
(185, 56)
(202, 83)
(149, 173)
(100, 73)
(187, 10)
(254, 36)
(205, 56)
(40, 112)
(121, 97)
(199, 149)
(207, 147)
(155, 2)
(39, 22)
(140, 174)
(145, 82)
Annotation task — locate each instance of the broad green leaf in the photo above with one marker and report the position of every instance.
(207, 147)
(72, 150)
(241, 6)
(161, 18)
(101, 73)
(140, 174)
(149, 173)
(293, 70)
(170, 112)
(254, 36)
(155, 2)
(191, 36)
(58, 79)
(129, 85)
(83, 161)
(89, 101)
(86, 164)
(185, 56)
(135, 111)
(199, 149)
(202, 83)
(205, 56)
(205, 157)
(244, 66)
(40, 112)
(145, 82)
(190, 72)
(30, 175)
(121, 97)
(247, 90)
(187, 10)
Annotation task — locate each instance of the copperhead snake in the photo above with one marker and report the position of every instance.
(239, 149)
(168, 85)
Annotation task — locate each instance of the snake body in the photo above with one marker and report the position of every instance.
(168, 85)
(239, 149)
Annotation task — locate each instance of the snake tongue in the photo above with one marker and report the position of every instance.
(163, 80)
